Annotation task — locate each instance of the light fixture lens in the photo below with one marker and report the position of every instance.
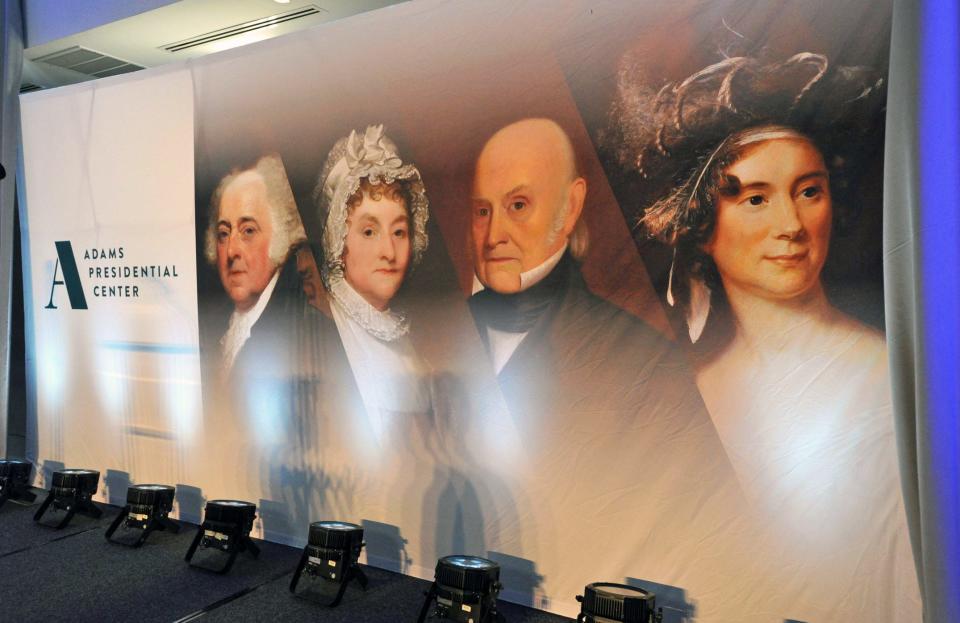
(336, 525)
(470, 562)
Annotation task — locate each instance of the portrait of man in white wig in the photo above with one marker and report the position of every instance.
(254, 224)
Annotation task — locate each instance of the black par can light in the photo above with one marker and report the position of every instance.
(465, 590)
(15, 481)
(147, 510)
(226, 527)
(71, 491)
(332, 553)
(606, 602)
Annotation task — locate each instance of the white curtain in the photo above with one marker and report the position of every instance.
(922, 286)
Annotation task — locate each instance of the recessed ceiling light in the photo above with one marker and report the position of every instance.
(282, 1)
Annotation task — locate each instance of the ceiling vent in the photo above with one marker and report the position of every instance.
(27, 87)
(240, 29)
(88, 62)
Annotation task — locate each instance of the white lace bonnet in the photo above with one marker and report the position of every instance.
(371, 155)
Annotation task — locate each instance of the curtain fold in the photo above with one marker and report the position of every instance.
(11, 63)
(922, 286)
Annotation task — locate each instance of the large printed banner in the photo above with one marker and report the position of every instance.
(592, 290)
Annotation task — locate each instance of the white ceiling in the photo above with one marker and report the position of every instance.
(139, 39)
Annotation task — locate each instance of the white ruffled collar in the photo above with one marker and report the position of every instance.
(384, 325)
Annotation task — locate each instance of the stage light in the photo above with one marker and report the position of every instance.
(15, 481)
(332, 553)
(71, 492)
(146, 510)
(226, 526)
(606, 602)
(465, 589)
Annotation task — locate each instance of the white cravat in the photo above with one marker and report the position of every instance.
(504, 343)
(241, 322)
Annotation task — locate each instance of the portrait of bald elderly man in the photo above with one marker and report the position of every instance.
(254, 225)
(557, 349)
(613, 430)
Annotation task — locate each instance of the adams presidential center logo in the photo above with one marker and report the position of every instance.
(104, 272)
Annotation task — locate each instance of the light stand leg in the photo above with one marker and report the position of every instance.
(431, 595)
(194, 544)
(234, 550)
(116, 522)
(342, 590)
(300, 567)
(238, 543)
(354, 572)
(43, 507)
(71, 511)
(146, 532)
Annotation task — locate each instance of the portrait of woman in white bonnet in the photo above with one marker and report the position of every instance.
(374, 212)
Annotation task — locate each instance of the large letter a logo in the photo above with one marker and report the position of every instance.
(71, 278)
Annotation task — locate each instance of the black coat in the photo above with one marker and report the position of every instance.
(292, 372)
(599, 396)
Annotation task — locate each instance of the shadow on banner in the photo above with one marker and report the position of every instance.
(677, 608)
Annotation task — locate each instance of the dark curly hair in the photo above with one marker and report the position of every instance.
(680, 139)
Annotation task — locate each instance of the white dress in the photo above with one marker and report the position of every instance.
(391, 378)
(811, 436)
